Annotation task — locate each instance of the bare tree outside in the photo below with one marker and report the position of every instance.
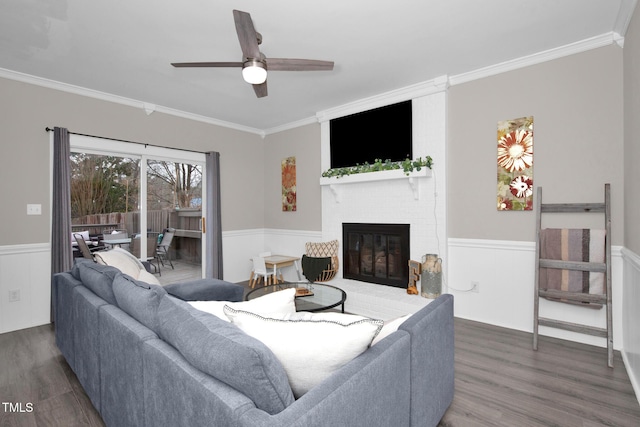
(173, 185)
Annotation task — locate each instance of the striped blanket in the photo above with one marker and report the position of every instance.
(564, 244)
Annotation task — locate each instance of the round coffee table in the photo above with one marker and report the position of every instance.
(320, 296)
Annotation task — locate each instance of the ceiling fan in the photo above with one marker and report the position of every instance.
(254, 64)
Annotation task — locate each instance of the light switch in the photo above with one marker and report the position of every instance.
(34, 209)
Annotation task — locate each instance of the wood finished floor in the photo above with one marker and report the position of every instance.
(500, 381)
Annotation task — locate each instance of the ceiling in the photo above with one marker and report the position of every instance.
(124, 48)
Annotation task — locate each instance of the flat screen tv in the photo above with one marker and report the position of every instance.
(382, 133)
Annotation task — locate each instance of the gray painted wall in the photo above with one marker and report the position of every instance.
(632, 134)
(27, 109)
(577, 105)
(304, 144)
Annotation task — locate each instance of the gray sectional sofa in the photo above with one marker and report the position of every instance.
(145, 357)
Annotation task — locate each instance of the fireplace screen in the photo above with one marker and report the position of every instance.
(376, 253)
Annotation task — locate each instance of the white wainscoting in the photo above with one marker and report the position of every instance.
(505, 273)
(241, 245)
(25, 269)
(631, 318)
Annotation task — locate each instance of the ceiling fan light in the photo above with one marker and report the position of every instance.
(254, 72)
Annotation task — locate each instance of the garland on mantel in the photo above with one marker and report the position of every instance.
(378, 165)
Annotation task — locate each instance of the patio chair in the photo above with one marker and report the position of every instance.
(152, 254)
(165, 245)
(82, 245)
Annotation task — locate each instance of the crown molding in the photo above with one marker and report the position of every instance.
(625, 13)
(429, 87)
(291, 125)
(439, 84)
(147, 107)
(540, 57)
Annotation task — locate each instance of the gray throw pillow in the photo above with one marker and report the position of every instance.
(223, 351)
(99, 279)
(139, 300)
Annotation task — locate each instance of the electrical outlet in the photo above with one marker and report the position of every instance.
(14, 295)
(34, 209)
(475, 287)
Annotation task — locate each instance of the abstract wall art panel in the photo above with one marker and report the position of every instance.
(289, 184)
(515, 164)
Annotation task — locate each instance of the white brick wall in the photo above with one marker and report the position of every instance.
(394, 201)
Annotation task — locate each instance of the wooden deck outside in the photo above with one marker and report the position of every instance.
(182, 271)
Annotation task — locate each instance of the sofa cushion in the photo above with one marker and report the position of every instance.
(138, 299)
(276, 304)
(223, 351)
(390, 327)
(311, 346)
(99, 279)
(206, 290)
(75, 269)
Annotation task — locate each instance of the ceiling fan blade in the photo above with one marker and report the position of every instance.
(250, 41)
(207, 64)
(246, 34)
(260, 90)
(287, 64)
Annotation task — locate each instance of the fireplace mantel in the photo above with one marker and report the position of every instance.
(413, 179)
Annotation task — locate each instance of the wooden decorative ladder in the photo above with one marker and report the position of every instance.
(604, 299)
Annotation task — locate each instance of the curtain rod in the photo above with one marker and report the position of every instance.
(48, 129)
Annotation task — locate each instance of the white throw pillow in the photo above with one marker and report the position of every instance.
(276, 303)
(120, 259)
(145, 276)
(310, 350)
(389, 328)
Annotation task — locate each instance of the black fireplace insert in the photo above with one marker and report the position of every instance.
(376, 253)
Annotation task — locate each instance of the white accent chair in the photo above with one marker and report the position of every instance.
(260, 272)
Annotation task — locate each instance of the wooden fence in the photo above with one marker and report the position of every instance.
(186, 244)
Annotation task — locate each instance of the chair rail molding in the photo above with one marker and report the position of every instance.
(27, 248)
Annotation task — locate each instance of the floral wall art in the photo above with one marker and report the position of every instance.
(289, 184)
(515, 164)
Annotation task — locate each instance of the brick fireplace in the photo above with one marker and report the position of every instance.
(391, 197)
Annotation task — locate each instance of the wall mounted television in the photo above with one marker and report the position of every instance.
(382, 133)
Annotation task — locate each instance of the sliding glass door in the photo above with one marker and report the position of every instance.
(174, 201)
(145, 194)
